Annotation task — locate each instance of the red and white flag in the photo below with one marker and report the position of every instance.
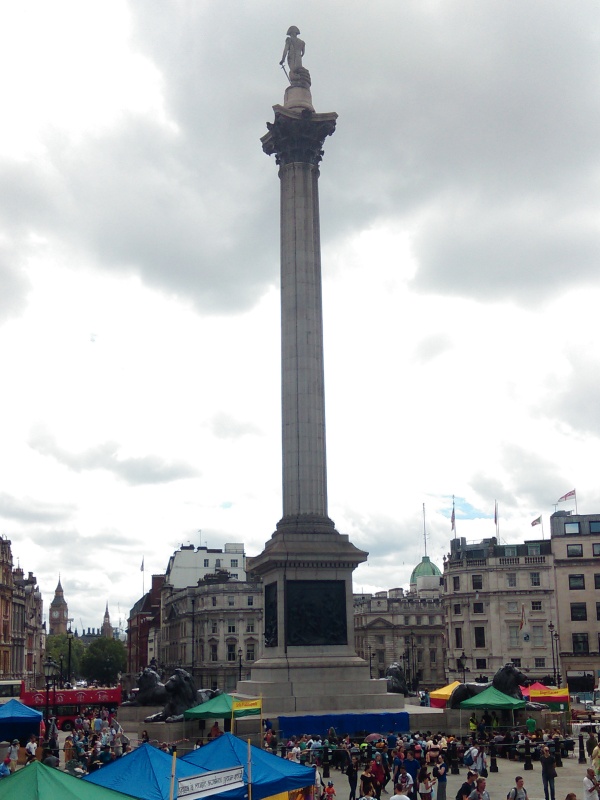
(453, 520)
(537, 521)
(566, 496)
(521, 626)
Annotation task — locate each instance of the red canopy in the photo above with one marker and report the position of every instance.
(537, 686)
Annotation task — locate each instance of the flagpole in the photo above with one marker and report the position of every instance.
(575, 493)
(172, 790)
(250, 764)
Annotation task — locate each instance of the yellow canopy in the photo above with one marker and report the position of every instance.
(445, 692)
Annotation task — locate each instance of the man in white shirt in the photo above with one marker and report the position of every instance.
(590, 785)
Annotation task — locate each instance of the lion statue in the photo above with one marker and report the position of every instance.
(181, 695)
(508, 680)
(151, 692)
(396, 680)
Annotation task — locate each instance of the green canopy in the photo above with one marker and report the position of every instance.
(491, 699)
(218, 708)
(38, 782)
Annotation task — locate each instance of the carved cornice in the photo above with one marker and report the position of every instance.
(298, 136)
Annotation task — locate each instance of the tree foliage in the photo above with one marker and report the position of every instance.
(103, 660)
(57, 645)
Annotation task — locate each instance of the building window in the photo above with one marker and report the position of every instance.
(419, 640)
(479, 637)
(578, 612)
(576, 581)
(231, 654)
(214, 655)
(580, 643)
(234, 563)
(596, 581)
(535, 578)
(534, 550)
(540, 663)
(206, 563)
(458, 638)
(512, 607)
(250, 600)
(536, 605)
(478, 608)
(516, 662)
(510, 551)
(214, 600)
(571, 528)
(537, 635)
(477, 582)
(231, 601)
(250, 626)
(380, 639)
(432, 640)
(481, 663)
(457, 609)
(249, 652)
(574, 551)
(432, 620)
(214, 627)
(596, 549)
(218, 562)
(417, 620)
(513, 635)
(456, 583)
(432, 656)
(595, 526)
(419, 656)
(231, 627)
(511, 579)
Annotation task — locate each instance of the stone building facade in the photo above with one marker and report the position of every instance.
(144, 618)
(407, 628)
(499, 601)
(213, 630)
(576, 547)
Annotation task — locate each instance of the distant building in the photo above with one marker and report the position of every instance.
(143, 622)
(59, 611)
(576, 547)
(188, 565)
(406, 628)
(499, 600)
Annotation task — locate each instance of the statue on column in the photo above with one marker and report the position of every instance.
(294, 50)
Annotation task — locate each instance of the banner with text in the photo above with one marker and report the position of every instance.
(210, 783)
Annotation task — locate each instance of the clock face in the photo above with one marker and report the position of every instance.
(54, 614)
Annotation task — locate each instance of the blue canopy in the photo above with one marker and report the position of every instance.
(144, 773)
(18, 721)
(270, 774)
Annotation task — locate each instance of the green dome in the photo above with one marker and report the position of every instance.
(426, 569)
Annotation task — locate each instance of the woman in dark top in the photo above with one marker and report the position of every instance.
(352, 773)
(367, 782)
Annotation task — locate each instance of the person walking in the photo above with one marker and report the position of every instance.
(548, 763)
(519, 792)
(440, 772)
(352, 775)
(590, 785)
(467, 787)
(480, 792)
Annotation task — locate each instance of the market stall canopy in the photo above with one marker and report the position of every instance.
(491, 699)
(537, 686)
(220, 708)
(440, 697)
(270, 774)
(38, 782)
(555, 699)
(18, 721)
(144, 773)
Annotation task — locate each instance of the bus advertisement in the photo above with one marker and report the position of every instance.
(67, 704)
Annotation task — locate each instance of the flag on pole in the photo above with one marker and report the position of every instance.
(496, 513)
(537, 521)
(142, 567)
(566, 496)
(522, 624)
(453, 518)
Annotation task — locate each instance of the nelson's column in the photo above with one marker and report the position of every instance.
(309, 661)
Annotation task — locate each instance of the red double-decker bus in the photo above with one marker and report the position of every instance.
(67, 704)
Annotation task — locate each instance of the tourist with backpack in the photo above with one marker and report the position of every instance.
(519, 792)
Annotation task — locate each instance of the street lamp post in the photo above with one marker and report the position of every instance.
(461, 663)
(551, 629)
(370, 661)
(50, 669)
(240, 654)
(557, 649)
(34, 674)
(69, 640)
(415, 681)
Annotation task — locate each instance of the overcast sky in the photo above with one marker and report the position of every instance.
(139, 259)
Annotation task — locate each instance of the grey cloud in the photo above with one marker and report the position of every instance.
(135, 471)
(27, 509)
(532, 476)
(574, 398)
(432, 346)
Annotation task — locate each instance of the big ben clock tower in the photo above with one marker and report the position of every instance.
(59, 612)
